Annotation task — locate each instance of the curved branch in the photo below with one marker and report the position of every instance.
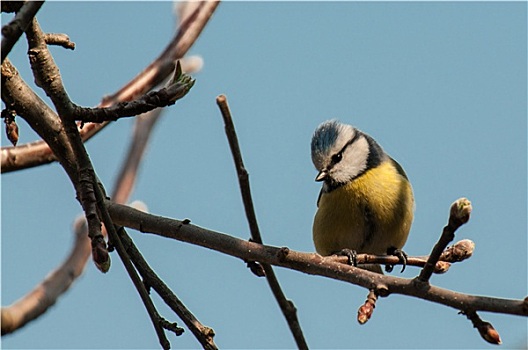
(46, 293)
(38, 153)
(309, 263)
(189, 30)
(155, 99)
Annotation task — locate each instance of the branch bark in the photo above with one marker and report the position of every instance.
(12, 31)
(309, 263)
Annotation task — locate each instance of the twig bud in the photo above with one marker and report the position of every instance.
(256, 268)
(489, 334)
(366, 310)
(100, 254)
(459, 251)
(442, 267)
(11, 126)
(486, 330)
(460, 211)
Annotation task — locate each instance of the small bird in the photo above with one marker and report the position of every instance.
(366, 203)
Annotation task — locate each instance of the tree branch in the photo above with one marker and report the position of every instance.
(38, 153)
(309, 263)
(287, 307)
(46, 293)
(18, 95)
(47, 76)
(164, 97)
(59, 39)
(189, 30)
(459, 215)
(202, 333)
(14, 29)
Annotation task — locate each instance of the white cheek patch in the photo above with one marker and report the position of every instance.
(323, 160)
(354, 161)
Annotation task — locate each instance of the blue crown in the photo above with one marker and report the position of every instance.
(325, 136)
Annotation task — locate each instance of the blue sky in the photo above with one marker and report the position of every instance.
(441, 86)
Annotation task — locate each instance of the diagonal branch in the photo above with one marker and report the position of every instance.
(458, 216)
(45, 294)
(47, 76)
(189, 30)
(202, 333)
(287, 306)
(14, 29)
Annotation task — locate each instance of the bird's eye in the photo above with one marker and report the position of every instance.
(336, 158)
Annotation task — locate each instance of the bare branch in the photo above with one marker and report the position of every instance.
(45, 294)
(47, 76)
(189, 30)
(37, 153)
(43, 66)
(154, 99)
(486, 330)
(203, 333)
(12, 31)
(287, 306)
(458, 216)
(58, 39)
(140, 287)
(18, 95)
(309, 263)
(89, 191)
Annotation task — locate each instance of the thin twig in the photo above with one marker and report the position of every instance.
(485, 329)
(59, 39)
(310, 263)
(287, 306)
(202, 333)
(140, 287)
(155, 99)
(458, 252)
(14, 29)
(458, 215)
(126, 179)
(418, 261)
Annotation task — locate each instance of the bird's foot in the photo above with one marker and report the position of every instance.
(350, 254)
(402, 256)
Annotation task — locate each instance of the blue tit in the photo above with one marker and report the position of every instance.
(366, 203)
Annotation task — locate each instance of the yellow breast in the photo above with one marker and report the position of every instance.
(370, 214)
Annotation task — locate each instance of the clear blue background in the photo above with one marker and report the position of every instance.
(441, 86)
